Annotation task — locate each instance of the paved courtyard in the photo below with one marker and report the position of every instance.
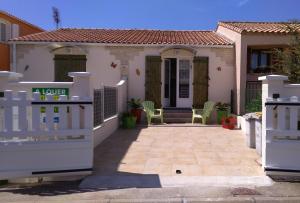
(177, 150)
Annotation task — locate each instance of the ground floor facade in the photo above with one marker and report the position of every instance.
(175, 78)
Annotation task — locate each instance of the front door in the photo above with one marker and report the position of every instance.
(177, 83)
(184, 90)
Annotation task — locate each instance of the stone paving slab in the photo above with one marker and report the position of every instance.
(195, 150)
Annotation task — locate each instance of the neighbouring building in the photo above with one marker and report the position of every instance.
(12, 27)
(171, 68)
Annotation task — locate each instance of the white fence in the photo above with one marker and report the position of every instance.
(281, 134)
(45, 137)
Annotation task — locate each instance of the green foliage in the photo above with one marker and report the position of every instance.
(255, 105)
(127, 114)
(135, 103)
(288, 59)
(222, 106)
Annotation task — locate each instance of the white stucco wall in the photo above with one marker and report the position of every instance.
(38, 60)
(99, 64)
(128, 60)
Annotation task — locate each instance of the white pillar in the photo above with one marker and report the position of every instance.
(81, 85)
(271, 84)
(6, 77)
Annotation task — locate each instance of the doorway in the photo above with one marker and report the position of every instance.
(177, 82)
(170, 82)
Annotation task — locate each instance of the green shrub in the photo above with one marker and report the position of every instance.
(255, 105)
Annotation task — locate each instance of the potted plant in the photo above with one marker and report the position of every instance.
(229, 122)
(136, 108)
(128, 120)
(222, 111)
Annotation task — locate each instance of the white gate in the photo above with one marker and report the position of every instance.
(280, 125)
(46, 137)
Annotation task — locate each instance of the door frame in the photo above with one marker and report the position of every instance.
(180, 102)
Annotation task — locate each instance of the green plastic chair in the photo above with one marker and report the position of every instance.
(204, 113)
(151, 112)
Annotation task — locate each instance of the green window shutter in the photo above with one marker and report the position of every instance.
(68, 63)
(200, 83)
(153, 80)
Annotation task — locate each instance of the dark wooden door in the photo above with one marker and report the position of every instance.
(68, 63)
(200, 83)
(173, 83)
(153, 80)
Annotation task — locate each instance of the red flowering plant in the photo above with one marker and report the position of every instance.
(229, 122)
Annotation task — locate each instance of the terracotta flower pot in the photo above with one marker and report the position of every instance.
(137, 113)
(229, 123)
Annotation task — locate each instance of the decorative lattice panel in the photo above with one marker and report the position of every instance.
(98, 107)
(110, 102)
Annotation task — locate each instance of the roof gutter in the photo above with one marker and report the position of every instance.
(122, 45)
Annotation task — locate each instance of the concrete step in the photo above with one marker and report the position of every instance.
(178, 120)
(178, 115)
(177, 110)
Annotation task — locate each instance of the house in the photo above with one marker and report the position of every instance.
(254, 42)
(12, 27)
(172, 68)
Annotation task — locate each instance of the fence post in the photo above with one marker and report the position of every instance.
(8, 110)
(49, 113)
(36, 112)
(22, 108)
(63, 113)
(271, 84)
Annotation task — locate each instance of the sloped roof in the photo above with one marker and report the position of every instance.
(130, 36)
(261, 27)
(20, 20)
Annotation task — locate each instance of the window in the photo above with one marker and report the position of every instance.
(68, 63)
(260, 61)
(2, 32)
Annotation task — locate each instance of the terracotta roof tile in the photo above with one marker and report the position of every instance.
(133, 36)
(260, 27)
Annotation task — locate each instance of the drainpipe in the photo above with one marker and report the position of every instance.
(14, 58)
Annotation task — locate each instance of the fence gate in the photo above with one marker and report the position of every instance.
(280, 126)
(45, 137)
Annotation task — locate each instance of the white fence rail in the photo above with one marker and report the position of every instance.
(281, 134)
(45, 137)
(32, 117)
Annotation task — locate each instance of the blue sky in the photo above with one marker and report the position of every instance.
(151, 14)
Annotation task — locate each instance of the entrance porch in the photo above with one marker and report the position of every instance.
(177, 78)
